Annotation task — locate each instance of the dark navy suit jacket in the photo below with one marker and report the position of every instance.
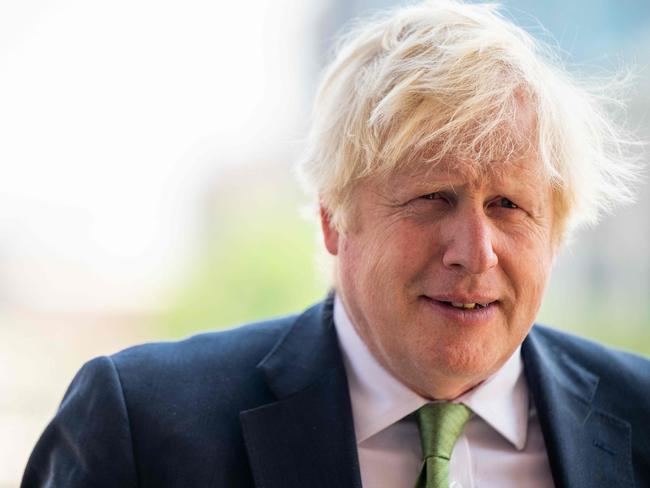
(267, 405)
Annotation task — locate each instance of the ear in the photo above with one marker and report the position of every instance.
(330, 234)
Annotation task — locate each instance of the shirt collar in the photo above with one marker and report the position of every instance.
(380, 400)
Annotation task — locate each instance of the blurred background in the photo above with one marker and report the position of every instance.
(147, 192)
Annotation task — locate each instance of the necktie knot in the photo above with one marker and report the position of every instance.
(440, 426)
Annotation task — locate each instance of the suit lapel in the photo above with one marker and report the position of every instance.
(586, 446)
(306, 438)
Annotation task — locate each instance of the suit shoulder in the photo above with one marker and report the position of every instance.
(241, 346)
(606, 361)
(210, 375)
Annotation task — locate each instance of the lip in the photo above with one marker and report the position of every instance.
(463, 317)
(460, 298)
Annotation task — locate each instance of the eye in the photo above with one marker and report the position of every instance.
(432, 196)
(442, 196)
(504, 202)
(433, 203)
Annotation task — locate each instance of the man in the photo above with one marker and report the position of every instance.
(450, 161)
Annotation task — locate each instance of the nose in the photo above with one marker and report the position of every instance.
(469, 242)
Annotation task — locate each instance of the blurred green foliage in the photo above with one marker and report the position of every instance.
(624, 325)
(257, 261)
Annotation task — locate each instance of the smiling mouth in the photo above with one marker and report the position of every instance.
(466, 306)
(464, 313)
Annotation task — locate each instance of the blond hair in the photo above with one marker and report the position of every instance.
(443, 78)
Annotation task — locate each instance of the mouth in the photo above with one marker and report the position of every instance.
(466, 306)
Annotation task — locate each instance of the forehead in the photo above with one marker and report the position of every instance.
(486, 150)
(452, 172)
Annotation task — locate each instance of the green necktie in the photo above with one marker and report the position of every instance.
(440, 427)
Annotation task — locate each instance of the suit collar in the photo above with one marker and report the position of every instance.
(307, 351)
(587, 446)
(306, 437)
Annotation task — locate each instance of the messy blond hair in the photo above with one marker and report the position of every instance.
(445, 79)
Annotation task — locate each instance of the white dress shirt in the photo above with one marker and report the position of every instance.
(501, 445)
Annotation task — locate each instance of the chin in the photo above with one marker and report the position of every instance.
(466, 365)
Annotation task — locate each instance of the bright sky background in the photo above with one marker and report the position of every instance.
(113, 115)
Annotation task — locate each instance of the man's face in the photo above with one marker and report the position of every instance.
(443, 272)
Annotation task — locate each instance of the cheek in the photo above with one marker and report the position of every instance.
(361, 264)
(529, 273)
(410, 245)
(387, 252)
